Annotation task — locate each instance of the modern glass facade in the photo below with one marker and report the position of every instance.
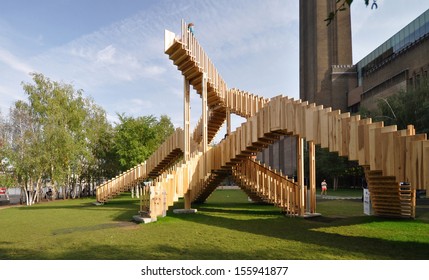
(407, 36)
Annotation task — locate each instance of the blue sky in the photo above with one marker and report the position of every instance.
(113, 50)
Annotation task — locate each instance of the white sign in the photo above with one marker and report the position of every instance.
(366, 202)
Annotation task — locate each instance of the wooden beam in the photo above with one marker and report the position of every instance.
(204, 112)
(187, 138)
(186, 120)
(312, 175)
(300, 174)
(228, 121)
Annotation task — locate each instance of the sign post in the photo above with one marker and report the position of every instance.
(366, 202)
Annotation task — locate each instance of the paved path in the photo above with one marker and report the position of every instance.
(337, 197)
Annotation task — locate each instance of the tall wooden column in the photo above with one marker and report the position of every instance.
(204, 113)
(228, 121)
(312, 175)
(187, 137)
(187, 121)
(300, 173)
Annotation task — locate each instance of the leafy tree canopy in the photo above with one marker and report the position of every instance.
(137, 138)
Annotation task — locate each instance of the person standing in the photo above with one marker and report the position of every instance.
(324, 186)
(191, 28)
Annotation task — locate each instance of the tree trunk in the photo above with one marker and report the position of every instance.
(80, 192)
(37, 197)
(335, 183)
(29, 193)
(64, 190)
(54, 190)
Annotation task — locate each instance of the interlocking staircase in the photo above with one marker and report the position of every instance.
(389, 157)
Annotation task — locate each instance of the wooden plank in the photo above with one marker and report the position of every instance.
(241, 144)
(317, 138)
(290, 117)
(323, 129)
(426, 167)
(232, 144)
(297, 118)
(417, 159)
(261, 123)
(266, 119)
(254, 128)
(344, 129)
(275, 113)
(353, 138)
(400, 158)
(332, 130)
(310, 133)
(284, 113)
(209, 160)
(387, 145)
(301, 118)
(411, 163)
(363, 130)
(377, 145)
(248, 133)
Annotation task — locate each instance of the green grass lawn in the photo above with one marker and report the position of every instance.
(226, 227)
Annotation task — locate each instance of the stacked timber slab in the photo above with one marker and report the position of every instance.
(388, 198)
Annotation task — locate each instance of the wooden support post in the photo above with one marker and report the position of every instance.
(187, 137)
(312, 175)
(228, 121)
(300, 174)
(204, 112)
(187, 121)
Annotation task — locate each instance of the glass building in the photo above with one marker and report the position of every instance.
(411, 34)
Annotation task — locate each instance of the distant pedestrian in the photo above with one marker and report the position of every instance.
(191, 28)
(324, 188)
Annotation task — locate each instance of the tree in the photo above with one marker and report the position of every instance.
(7, 179)
(330, 166)
(54, 136)
(405, 107)
(101, 161)
(342, 6)
(59, 110)
(23, 150)
(137, 138)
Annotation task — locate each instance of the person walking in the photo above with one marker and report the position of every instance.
(324, 186)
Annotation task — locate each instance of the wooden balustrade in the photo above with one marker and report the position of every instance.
(166, 154)
(271, 186)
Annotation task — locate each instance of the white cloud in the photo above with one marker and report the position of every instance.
(106, 55)
(13, 62)
(141, 103)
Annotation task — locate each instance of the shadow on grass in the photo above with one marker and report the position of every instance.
(301, 230)
(89, 251)
(93, 228)
(238, 209)
(311, 231)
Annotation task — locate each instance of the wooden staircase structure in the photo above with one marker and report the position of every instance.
(184, 165)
